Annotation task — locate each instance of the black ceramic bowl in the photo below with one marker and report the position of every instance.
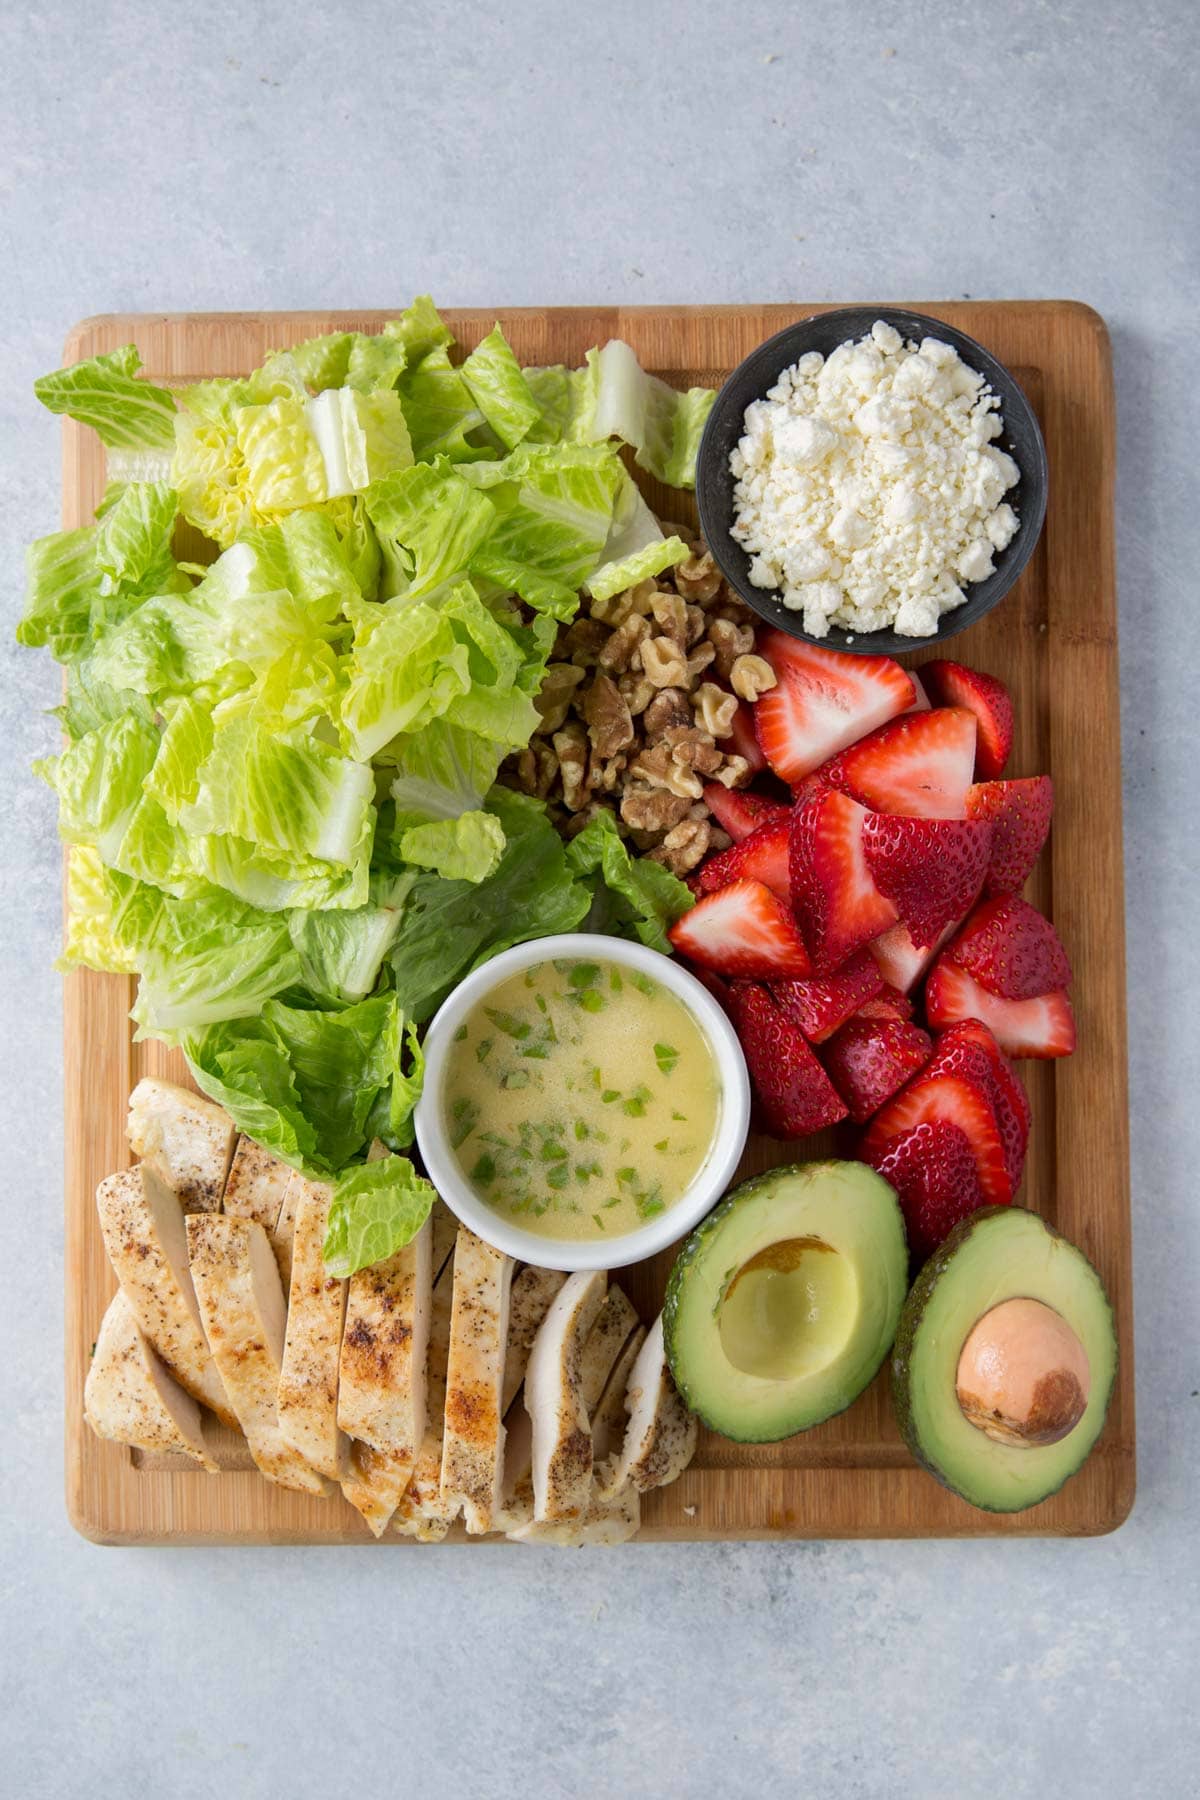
(1021, 438)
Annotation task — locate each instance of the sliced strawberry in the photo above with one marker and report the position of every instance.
(958, 1101)
(933, 1172)
(932, 869)
(717, 986)
(742, 739)
(820, 1005)
(891, 1004)
(833, 891)
(1011, 950)
(920, 766)
(922, 703)
(794, 1094)
(740, 812)
(742, 930)
(901, 961)
(969, 1049)
(823, 700)
(1020, 813)
(763, 856)
(869, 1059)
(951, 684)
(1042, 1027)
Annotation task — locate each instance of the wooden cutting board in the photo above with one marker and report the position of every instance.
(1053, 641)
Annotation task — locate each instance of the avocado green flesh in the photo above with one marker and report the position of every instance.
(999, 1254)
(782, 1305)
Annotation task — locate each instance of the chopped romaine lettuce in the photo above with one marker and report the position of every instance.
(378, 1207)
(106, 393)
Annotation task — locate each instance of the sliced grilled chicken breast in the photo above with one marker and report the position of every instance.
(308, 1381)
(615, 1520)
(562, 1437)
(614, 1322)
(473, 1440)
(185, 1138)
(142, 1221)
(282, 1234)
(382, 1375)
(532, 1291)
(130, 1397)
(420, 1512)
(241, 1302)
(255, 1185)
(660, 1439)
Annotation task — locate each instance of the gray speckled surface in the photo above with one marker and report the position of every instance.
(275, 156)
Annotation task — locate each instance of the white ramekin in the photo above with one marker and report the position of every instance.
(708, 1185)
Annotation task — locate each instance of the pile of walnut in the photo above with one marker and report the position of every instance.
(637, 709)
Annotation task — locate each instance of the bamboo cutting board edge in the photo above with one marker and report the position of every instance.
(837, 1485)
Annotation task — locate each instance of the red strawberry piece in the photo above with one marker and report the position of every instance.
(739, 812)
(833, 891)
(1011, 950)
(1020, 813)
(891, 1004)
(902, 962)
(742, 739)
(933, 1172)
(742, 930)
(822, 701)
(969, 1049)
(763, 856)
(958, 1101)
(869, 1059)
(920, 766)
(932, 869)
(922, 703)
(819, 1006)
(811, 788)
(794, 1094)
(717, 986)
(1042, 1027)
(951, 684)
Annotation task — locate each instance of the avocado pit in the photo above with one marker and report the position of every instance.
(1023, 1376)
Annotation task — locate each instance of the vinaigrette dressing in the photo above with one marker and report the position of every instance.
(582, 1099)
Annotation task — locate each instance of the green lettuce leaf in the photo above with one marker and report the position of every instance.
(420, 330)
(467, 848)
(634, 897)
(299, 1080)
(109, 917)
(106, 393)
(133, 540)
(342, 951)
(635, 549)
(616, 398)
(444, 770)
(60, 591)
(493, 375)
(406, 667)
(211, 960)
(98, 780)
(286, 792)
(391, 1116)
(555, 509)
(377, 1208)
(450, 927)
(434, 518)
(441, 410)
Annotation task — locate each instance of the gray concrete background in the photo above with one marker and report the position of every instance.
(283, 156)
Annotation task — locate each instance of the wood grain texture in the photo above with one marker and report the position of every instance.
(1054, 642)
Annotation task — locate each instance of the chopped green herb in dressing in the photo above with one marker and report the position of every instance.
(542, 1067)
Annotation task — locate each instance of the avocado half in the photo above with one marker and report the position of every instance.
(998, 1253)
(784, 1302)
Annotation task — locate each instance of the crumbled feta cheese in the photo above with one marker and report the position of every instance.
(868, 485)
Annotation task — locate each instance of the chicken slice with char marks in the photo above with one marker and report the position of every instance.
(130, 1397)
(142, 1222)
(241, 1302)
(308, 1381)
(473, 1430)
(186, 1139)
